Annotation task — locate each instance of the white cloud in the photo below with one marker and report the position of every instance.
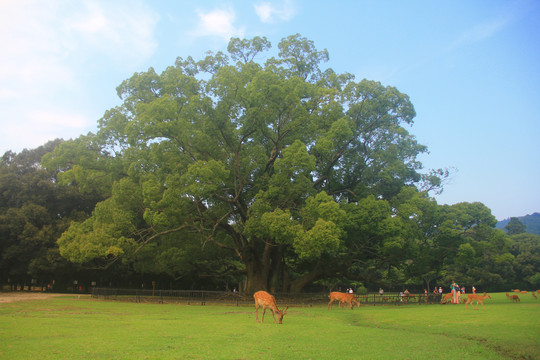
(268, 13)
(51, 47)
(35, 127)
(478, 33)
(122, 31)
(218, 22)
(43, 37)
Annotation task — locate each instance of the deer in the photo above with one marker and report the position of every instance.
(534, 295)
(446, 298)
(264, 299)
(479, 299)
(514, 298)
(343, 298)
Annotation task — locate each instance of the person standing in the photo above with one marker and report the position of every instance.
(473, 290)
(455, 292)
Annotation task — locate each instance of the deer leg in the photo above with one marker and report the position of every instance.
(256, 312)
(264, 311)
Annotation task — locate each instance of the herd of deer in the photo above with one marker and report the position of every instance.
(267, 301)
(515, 298)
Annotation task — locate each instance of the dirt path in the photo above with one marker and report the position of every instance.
(8, 297)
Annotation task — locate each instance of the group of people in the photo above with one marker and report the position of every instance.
(454, 288)
(457, 292)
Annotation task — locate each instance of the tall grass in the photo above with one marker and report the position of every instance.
(71, 328)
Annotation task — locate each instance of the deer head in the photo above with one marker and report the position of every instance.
(280, 314)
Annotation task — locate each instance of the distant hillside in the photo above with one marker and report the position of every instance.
(532, 222)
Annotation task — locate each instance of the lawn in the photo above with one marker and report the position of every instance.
(84, 328)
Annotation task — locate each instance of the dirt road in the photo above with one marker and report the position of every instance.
(8, 297)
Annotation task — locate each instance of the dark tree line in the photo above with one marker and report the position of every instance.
(225, 172)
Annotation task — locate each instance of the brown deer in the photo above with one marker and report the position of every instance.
(479, 299)
(264, 299)
(534, 295)
(523, 292)
(343, 298)
(446, 298)
(514, 298)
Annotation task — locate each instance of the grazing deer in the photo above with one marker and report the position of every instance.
(264, 299)
(343, 298)
(514, 298)
(523, 292)
(534, 295)
(515, 290)
(479, 299)
(446, 298)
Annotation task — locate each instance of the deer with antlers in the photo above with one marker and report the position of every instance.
(265, 300)
(343, 298)
(479, 299)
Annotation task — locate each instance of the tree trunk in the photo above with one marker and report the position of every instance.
(264, 271)
(298, 284)
(255, 277)
(256, 271)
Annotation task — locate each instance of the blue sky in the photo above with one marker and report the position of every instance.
(471, 68)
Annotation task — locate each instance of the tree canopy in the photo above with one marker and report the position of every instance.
(276, 174)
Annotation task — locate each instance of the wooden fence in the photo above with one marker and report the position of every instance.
(203, 297)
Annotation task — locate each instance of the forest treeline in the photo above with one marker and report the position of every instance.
(228, 172)
(530, 222)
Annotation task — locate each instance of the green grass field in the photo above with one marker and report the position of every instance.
(72, 328)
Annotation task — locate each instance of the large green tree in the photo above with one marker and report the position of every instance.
(34, 211)
(259, 160)
(526, 249)
(515, 226)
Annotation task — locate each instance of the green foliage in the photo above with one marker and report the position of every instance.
(515, 226)
(531, 222)
(34, 211)
(526, 249)
(285, 171)
(323, 237)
